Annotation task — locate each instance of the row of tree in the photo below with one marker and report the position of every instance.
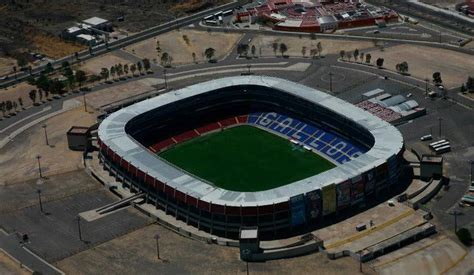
(121, 70)
(6, 107)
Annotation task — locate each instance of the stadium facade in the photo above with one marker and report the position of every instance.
(366, 150)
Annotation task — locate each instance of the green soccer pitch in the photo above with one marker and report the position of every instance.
(245, 159)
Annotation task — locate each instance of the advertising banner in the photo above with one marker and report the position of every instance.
(298, 210)
(313, 205)
(343, 194)
(369, 181)
(357, 190)
(329, 199)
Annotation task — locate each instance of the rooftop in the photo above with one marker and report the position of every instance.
(388, 143)
(94, 21)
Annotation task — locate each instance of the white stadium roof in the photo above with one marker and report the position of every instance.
(388, 142)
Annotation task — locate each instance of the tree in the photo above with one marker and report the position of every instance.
(42, 82)
(104, 73)
(349, 56)
(470, 84)
(437, 78)
(125, 69)
(253, 50)
(49, 68)
(146, 64)
(76, 55)
(319, 46)
(81, 77)
(65, 65)
(158, 48)
(209, 53)
(313, 53)
(463, 89)
(402, 67)
(379, 62)
(165, 60)
(186, 39)
(356, 55)
(119, 70)
(32, 95)
(342, 54)
(194, 57)
(56, 86)
(40, 93)
(368, 57)
(133, 69)
(14, 70)
(112, 72)
(283, 49)
(275, 47)
(21, 61)
(3, 108)
(15, 106)
(303, 51)
(242, 49)
(20, 102)
(139, 67)
(8, 106)
(361, 55)
(46, 93)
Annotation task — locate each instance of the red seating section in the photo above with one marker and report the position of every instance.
(159, 146)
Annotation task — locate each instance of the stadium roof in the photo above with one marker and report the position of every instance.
(388, 142)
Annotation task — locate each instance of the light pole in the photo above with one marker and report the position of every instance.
(426, 86)
(38, 157)
(439, 125)
(247, 262)
(79, 227)
(330, 81)
(455, 213)
(248, 68)
(166, 81)
(157, 238)
(45, 134)
(40, 202)
(84, 99)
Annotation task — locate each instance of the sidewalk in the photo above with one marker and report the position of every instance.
(11, 245)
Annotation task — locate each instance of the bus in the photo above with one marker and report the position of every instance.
(211, 22)
(227, 12)
(209, 17)
(437, 142)
(443, 149)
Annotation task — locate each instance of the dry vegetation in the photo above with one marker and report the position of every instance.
(54, 47)
(455, 67)
(174, 43)
(295, 45)
(6, 65)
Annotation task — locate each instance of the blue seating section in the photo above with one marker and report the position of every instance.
(319, 138)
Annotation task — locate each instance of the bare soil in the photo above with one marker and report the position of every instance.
(6, 65)
(136, 253)
(19, 90)
(22, 20)
(18, 158)
(95, 65)
(174, 43)
(423, 61)
(9, 266)
(264, 45)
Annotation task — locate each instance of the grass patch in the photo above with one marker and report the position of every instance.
(246, 159)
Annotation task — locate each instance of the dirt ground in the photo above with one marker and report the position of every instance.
(443, 3)
(263, 45)
(18, 158)
(423, 61)
(120, 92)
(136, 253)
(19, 90)
(6, 65)
(95, 65)
(174, 44)
(53, 46)
(9, 266)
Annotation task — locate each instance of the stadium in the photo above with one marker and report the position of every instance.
(250, 151)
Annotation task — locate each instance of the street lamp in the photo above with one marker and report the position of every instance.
(79, 227)
(166, 81)
(45, 134)
(455, 213)
(157, 238)
(439, 125)
(84, 99)
(38, 157)
(330, 81)
(40, 202)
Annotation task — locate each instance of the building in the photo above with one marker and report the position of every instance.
(86, 39)
(78, 138)
(367, 152)
(98, 24)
